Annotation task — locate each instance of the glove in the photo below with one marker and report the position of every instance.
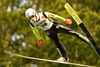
(40, 42)
(68, 21)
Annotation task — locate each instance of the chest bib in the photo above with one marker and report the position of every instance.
(43, 23)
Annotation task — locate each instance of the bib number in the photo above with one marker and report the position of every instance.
(44, 24)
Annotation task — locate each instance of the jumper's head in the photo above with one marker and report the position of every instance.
(32, 14)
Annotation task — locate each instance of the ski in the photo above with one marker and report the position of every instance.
(46, 60)
(82, 26)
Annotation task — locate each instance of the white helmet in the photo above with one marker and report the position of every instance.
(31, 12)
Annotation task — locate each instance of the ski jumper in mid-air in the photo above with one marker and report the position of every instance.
(45, 21)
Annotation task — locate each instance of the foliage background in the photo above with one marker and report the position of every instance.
(16, 35)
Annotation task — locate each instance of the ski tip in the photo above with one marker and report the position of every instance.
(5, 51)
(66, 4)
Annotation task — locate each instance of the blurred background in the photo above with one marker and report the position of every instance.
(16, 35)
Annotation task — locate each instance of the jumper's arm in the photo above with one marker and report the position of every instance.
(54, 16)
(36, 32)
(37, 35)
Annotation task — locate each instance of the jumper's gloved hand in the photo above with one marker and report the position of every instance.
(40, 42)
(68, 21)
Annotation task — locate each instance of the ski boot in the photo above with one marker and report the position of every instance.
(62, 59)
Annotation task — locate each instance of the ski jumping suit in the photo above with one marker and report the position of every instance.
(52, 28)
